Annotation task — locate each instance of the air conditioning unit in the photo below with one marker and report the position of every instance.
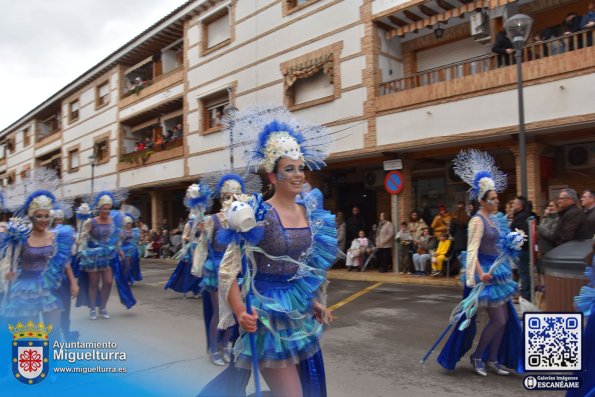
(374, 178)
(579, 156)
(480, 27)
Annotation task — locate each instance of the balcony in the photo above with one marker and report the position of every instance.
(150, 87)
(157, 153)
(543, 60)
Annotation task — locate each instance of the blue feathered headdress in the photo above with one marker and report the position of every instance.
(478, 169)
(98, 196)
(229, 177)
(273, 132)
(198, 195)
(24, 209)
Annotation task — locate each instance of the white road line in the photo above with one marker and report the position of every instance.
(159, 283)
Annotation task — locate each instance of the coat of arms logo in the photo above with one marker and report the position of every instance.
(30, 351)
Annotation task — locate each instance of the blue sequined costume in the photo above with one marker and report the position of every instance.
(39, 271)
(129, 247)
(210, 269)
(499, 290)
(182, 280)
(283, 297)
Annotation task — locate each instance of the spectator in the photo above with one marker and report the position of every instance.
(470, 209)
(571, 218)
(426, 214)
(148, 142)
(504, 48)
(416, 225)
(441, 222)
(588, 21)
(219, 116)
(520, 210)
(509, 211)
(340, 223)
(181, 224)
(178, 132)
(355, 254)
(588, 204)
(571, 25)
(140, 145)
(423, 251)
(440, 255)
(165, 245)
(372, 236)
(458, 231)
(384, 243)
(141, 225)
(165, 225)
(405, 241)
(153, 245)
(176, 241)
(545, 233)
(355, 223)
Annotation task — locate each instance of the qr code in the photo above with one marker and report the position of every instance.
(553, 341)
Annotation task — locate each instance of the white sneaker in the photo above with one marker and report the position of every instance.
(104, 314)
(92, 315)
(216, 359)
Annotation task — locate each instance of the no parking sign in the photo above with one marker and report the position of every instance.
(393, 182)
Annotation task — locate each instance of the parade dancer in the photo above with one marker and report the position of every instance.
(99, 257)
(287, 268)
(207, 259)
(35, 262)
(129, 257)
(197, 200)
(68, 288)
(485, 262)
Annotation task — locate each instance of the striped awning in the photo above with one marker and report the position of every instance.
(446, 15)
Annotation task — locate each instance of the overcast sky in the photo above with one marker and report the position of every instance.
(45, 44)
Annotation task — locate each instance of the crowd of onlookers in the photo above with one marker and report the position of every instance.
(555, 36)
(430, 245)
(162, 242)
(167, 136)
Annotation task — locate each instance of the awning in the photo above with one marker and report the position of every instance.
(444, 16)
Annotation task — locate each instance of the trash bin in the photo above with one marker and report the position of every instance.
(564, 274)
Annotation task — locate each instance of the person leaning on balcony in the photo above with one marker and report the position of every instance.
(504, 48)
(570, 25)
(588, 22)
(571, 218)
(416, 225)
(441, 222)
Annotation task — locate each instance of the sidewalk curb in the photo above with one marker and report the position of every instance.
(392, 278)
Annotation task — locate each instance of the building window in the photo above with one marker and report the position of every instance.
(25, 171)
(216, 30)
(290, 6)
(213, 109)
(73, 111)
(101, 94)
(10, 145)
(102, 150)
(2, 151)
(52, 160)
(12, 177)
(73, 160)
(311, 79)
(26, 137)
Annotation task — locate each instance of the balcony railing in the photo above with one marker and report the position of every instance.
(142, 156)
(128, 91)
(473, 66)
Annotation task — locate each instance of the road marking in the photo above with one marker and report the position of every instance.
(153, 271)
(159, 283)
(354, 296)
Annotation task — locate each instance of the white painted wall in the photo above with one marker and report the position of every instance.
(381, 5)
(542, 102)
(151, 173)
(146, 103)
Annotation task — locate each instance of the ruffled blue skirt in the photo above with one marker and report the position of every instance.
(210, 272)
(501, 288)
(278, 349)
(96, 258)
(182, 280)
(29, 296)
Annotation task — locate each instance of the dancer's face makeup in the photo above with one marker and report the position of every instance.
(290, 175)
(41, 219)
(491, 202)
(104, 211)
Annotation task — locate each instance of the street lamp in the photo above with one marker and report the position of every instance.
(518, 28)
(92, 161)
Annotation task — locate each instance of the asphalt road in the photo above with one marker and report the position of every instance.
(373, 347)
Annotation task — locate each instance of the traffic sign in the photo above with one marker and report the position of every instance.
(393, 182)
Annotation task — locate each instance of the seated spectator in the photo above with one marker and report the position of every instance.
(440, 255)
(405, 242)
(148, 142)
(416, 224)
(355, 253)
(153, 245)
(176, 240)
(441, 222)
(571, 218)
(424, 248)
(504, 48)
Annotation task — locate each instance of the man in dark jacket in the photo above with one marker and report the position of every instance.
(355, 223)
(588, 204)
(521, 211)
(504, 48)
(571, 218)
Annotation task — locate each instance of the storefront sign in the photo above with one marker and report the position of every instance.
(393, 182)
(390, 165)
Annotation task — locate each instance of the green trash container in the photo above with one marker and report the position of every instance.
(564, 274)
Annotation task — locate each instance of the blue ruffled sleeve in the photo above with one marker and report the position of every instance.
(63, 240)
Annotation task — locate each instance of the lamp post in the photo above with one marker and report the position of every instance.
(92, 161)
(229, 115)
(518, 28)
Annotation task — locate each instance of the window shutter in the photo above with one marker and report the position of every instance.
(218, 30)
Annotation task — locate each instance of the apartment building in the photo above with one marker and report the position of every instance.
(392, 79)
